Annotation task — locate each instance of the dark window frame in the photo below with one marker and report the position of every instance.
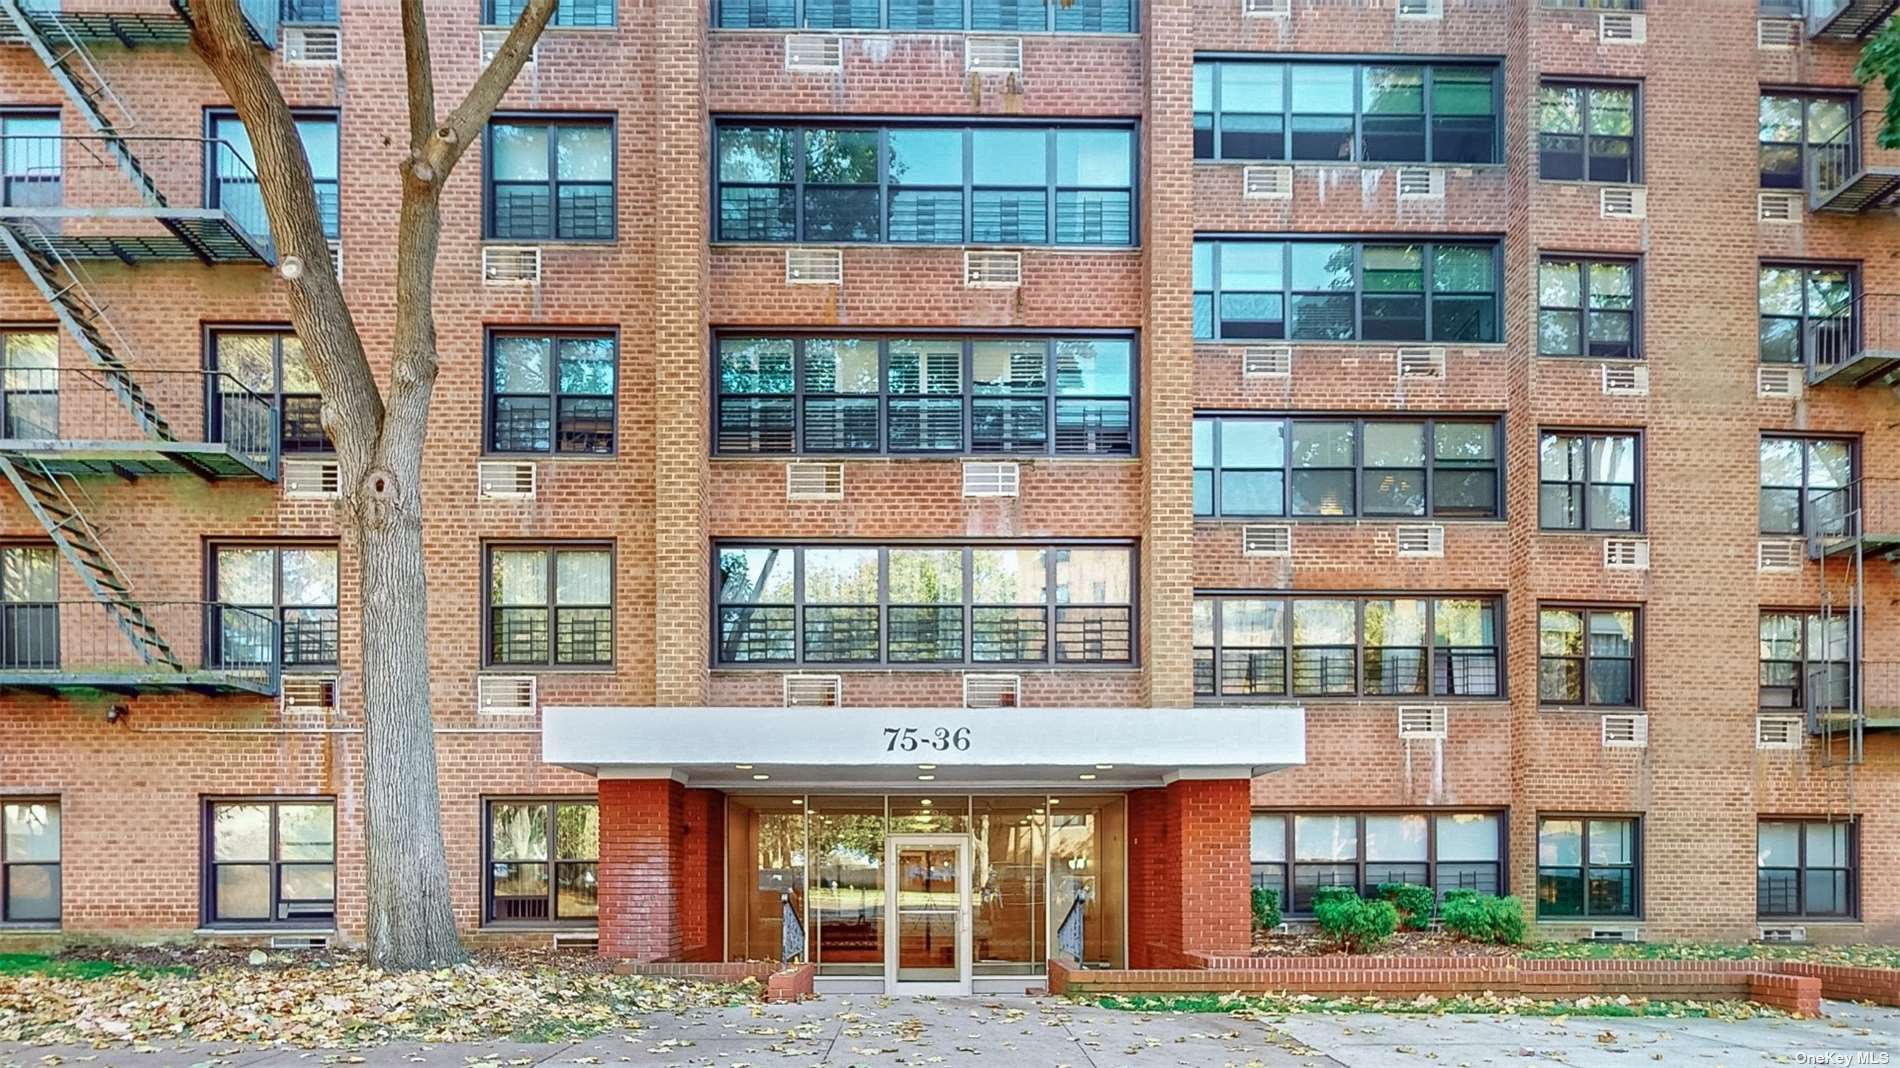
(1584, 867)
(1585, 609)
(330, 214)
(1214, 658)
(1808, 322)
(209, 864)
(1851, 873)
(277, 609)
(294, 436)
(796, 14)
(1808, 95)
(58, 866)
(970, 619)
(1288, 883)
(57, 180)
(549, 803)
(28, 628)
(1360, 473)
(1585, 312)
(40, 383)
(561, 19)
(1804, 513)
(491, 399)
(1587, 88)
(552, 121)
(1590, 436)
(551, 547)
(1806, 662)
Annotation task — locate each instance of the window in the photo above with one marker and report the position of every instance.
(543, 861)
(1345, 290)
(1445, 851)
(1807, 313)
(552, 393)
(550, 606)
(29, 384)
(1807, 485)
(1246, 646)
(1010, 16)
(1586, 308)
(1802, 131)
(270, 862)
(1587, 656)
(231, 181)
(258, 589)
(1586, 867)
(315, 12)
(1274, 466)
(29, 607)
(584, 14)
(924, 604)
(32, 171)
(266, 366)
(1805, 868)
(1587, 133)
(29, 861)
(1336, 112)
(550, 179)
(1587, 481)
(1034, 395)
(992, 184)
(1806, 659)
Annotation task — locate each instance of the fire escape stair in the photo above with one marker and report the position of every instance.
(1851, 20)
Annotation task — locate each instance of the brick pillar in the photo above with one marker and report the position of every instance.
(1189, 871)
(660, 882)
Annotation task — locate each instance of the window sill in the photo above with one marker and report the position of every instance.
(233, 931)
(1580, 358)
(550, 242)
(1355, 165)
(576, 30)
(1354, 343)
(1559, 532)
(1592, 183)
(1570, 922)
(1038, 458)
(23, 928)
(555, 457)
(538, 927)
(1351, 520)
(916, 669)
(767, 31)
(547, 669)
(1382, 701)
(1593, 710)
(1832, 922)
(908, 246)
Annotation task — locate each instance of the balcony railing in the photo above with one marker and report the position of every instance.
(1840, 181)
(76, 417)
(1861, 346)
(1847, 19)
(1867, 508)
(1840, 693)
(206, 645)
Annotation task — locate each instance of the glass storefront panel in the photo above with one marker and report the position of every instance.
(1008, 880)
(935, 814)
(765, 883)
(847, 884)
(1087, 878)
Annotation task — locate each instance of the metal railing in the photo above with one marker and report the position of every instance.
(1869, 326)
(1834, 162)
(76, 173)
(1863, 689)
(80, 637)
(1862, 508)
(80, 403)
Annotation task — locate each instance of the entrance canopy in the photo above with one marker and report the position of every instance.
(926, 748)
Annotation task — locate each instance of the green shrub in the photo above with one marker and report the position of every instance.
(1477, 917)
(1413, 902)
(1266, 908)
(1354, 924)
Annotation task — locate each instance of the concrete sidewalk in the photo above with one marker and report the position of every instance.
(992, 1031)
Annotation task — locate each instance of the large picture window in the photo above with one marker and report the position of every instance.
(1807, 485)
(1442, 850)
(1246, 647)
(552, 393)
(995, 184)
(1589, 481)
(1807, 312)
(267, 363)
(29, 861)
(1319, 290)
(946, 395)
(294, 584)
(543, 861)
(1008, 16)
(270, 862)
(1805, 868)
(550, 606)
(1800, 131)
(1587, 308)
(1588, 132)
(550, 179)
(1806, 658)
(1323, 112)
(232, 182)
(924, 604)
(1247, 465)
(1587, 867)
(1588, 656)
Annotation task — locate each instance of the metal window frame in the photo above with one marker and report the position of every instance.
(548, 804)
(552, 121)
(1802, 868)
(1584, 867)
(1806, 321)
(10, 330)
(1358, 470)
(1588, 88)
(334, 116)
(278, 331)
(1803, 520)
(1050, 606)
(550, 547)
(1359, 600)
(1426, 64)
(796, 125)
(7, 866)
(26, 111)
(1288, 817)
(277, 607)
(799, 22)
(554, 335)
(1584, 311)
(967, 396)
(1589, 436)
(1808, 95)
(1806, 661)
(1428, 246)
(209, 864)
(1585, 609)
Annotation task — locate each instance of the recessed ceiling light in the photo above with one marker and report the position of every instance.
(1053, 801)
(1085, 776)
(743, 767)
(925, 802)
(926, 778)
(1103, 767)
(926, 767)
(761, 778)
(798, 800)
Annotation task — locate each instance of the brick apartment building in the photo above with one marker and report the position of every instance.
(925, 486)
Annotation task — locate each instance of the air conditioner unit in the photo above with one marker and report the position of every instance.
(1264, 539)
(1424, 721)
(1777, 35)
(504, 480)
(1623, 202)
(1421, 9)
(1626, 554)
(1420, 540)
(1785, 209)
(992, 270)
(505, 695)
(309, 479)
(1614, 934)
(993, 55)
(992, 691)
(1266, 9)
(1782, 935)
(1780, 732)
(1276, 362)
(1625, 380)
(1266, 182)
(1779, 383)
(511, 265)
(308, 695)
(493, 39)
(814, 482)
(1622, 27)
(1421, 183)
(814, 53)
(992, 479)
(814, 691)
(318, 45)
(1780, 554)
(814, 266)
(1425, 363)
(1626, 730)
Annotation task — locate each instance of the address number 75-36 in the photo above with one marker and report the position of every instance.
(936, 739)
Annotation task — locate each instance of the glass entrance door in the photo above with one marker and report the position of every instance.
(928, 876)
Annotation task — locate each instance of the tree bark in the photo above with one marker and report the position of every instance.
(379, 443)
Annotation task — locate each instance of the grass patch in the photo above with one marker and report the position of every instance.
(41, 964)
(1613, 1008)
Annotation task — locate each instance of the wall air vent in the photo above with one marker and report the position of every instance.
(992, 270)
(1422, 363)
(814, 266)
(497, 480)
(1421, 9)
(283, 943)
(1421, 183)
(992, 691)
(814, 53)
(814, 691)
(1420, 541)
(1625, 380)
(1779, 732)
(1786, 555)
(505, 695)
(306, 479)
(1266, 182)
(1626, 554)
(511, 265)
(1778, 383)
(1783, 935)
(1614, 934)
(814, 482)
(308, 695)
(1424, 721)
(318, 45)
(1626, 730)
(1776, 207)
(992, 479)
(1275, 362)
(1263, 539)
(993, 55)
(1623, 202)
(1622, 27)
(1777, 35)
(1266, 9)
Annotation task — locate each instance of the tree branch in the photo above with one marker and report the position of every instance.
(465, 123)
(420, 72)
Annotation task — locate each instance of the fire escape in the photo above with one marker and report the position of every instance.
(68, 432)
